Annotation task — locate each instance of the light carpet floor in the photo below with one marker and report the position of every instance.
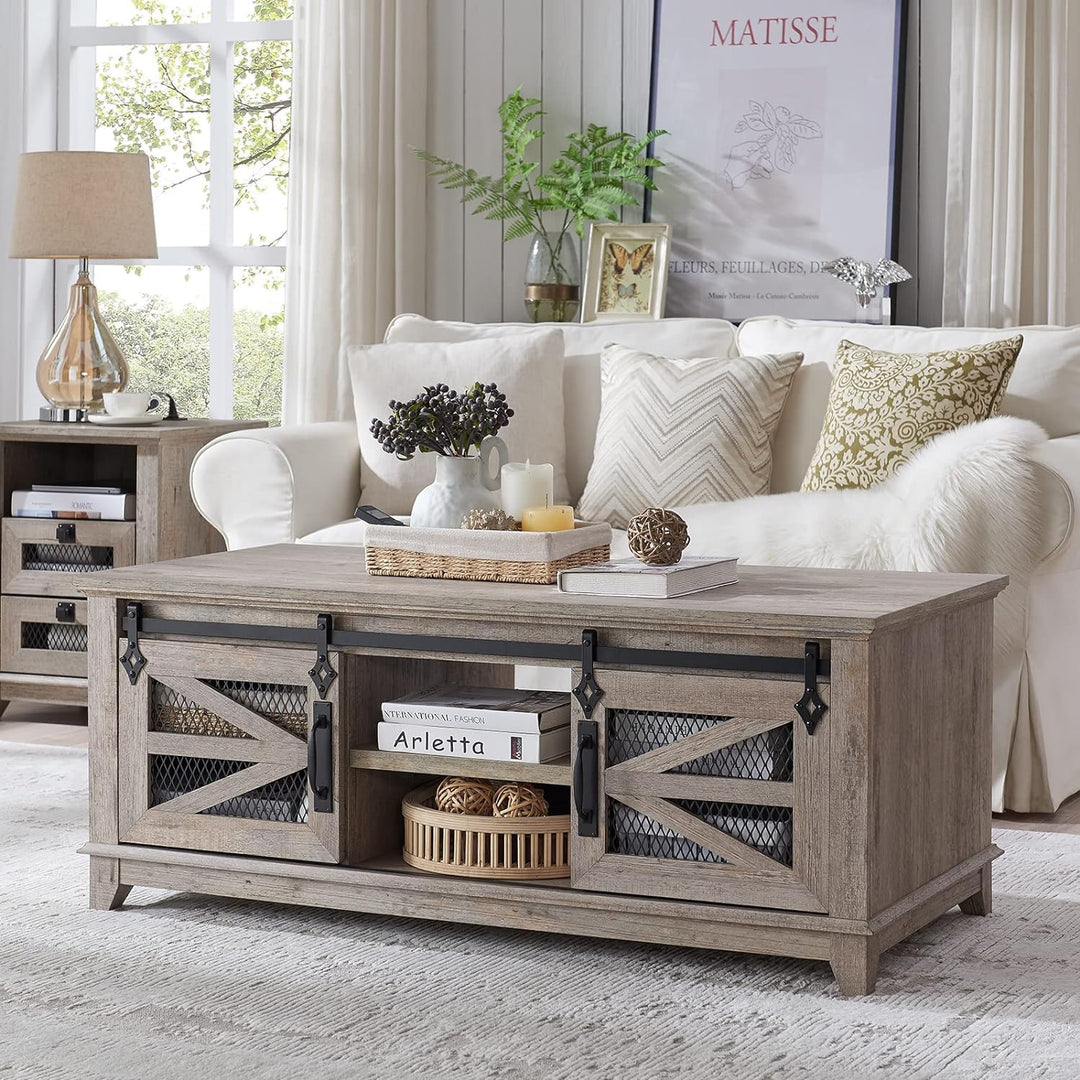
(180, 986)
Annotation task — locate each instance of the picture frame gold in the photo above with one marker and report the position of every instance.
(625, 272)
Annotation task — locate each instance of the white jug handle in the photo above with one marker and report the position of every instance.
(492, 445)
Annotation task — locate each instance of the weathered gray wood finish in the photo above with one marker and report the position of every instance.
(154, 462)
(889, 797)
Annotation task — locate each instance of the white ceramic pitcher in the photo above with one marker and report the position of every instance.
(461, 484)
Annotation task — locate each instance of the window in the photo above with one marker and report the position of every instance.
(204, 87)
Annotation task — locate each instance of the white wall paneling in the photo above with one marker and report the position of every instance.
(590, 62)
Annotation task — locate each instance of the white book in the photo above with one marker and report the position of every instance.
(628, 577)
(72, 504)
(477, 744)
(494, 708)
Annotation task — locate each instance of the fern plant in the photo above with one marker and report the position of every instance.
(588, 181)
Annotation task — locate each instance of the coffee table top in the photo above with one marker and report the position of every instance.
(322, 577)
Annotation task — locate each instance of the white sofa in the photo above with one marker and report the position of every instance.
(301, 484)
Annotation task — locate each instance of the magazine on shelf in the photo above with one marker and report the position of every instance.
(628, 577)
(479, 744)
(494, 708)
(73, 504)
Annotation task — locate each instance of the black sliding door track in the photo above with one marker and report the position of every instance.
(518, 650)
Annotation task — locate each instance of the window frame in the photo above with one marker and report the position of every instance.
(76, 129)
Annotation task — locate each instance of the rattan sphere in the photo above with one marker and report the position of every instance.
(519, 800)
(657, 537)
(464, 795)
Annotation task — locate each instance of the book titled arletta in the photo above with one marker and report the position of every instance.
(628, 577)
(494, 708)
(478, 744)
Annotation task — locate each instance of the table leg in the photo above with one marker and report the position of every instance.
(854, 963)
(106, 892)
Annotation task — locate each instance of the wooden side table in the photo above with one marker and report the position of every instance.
(43, 560)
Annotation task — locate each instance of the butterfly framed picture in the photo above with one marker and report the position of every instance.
(625, 272)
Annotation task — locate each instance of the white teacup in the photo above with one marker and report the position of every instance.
(129, 403)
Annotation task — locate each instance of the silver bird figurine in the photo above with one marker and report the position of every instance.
(865, 278)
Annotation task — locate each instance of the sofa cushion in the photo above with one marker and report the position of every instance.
(674, 432)
(1045, 385)
(582, 343)
(884, 406)
(528, 368)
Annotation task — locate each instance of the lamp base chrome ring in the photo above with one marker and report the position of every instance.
(62, 416)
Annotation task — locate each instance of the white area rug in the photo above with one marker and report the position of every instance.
(182, 986)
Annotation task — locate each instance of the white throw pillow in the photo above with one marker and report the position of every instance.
(675, 432)
(528, 369)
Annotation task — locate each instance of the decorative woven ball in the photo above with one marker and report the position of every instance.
(657, 537)
(519, 800)
(465, 795)
(494, 520)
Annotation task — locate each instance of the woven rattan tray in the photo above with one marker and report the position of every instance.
(480, 555)
(489, 847)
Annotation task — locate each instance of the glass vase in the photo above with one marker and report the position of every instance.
(553, 278)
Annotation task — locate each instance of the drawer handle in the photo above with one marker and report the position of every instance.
(65, 534)
(65, 611)
(587, 779)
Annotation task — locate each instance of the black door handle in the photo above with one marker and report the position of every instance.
(65, 534)
(65, 611)
(587, 779)
(320, 768)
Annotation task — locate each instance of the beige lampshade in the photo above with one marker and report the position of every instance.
(73, 204)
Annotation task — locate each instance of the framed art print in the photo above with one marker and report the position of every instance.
(625, 272)
(782, 150)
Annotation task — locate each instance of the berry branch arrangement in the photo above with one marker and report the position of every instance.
(443, 421)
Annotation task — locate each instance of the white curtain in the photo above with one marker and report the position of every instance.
(1012, 215)
(356, 191)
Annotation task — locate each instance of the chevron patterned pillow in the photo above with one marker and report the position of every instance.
(675, 432)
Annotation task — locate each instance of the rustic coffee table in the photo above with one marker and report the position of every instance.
(797, 765)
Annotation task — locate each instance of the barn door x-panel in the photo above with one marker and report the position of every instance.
(214, 753)
(706, 788)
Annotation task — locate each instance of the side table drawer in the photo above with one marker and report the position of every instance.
(43, 636)
(49, 557)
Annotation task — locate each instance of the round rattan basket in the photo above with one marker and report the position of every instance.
(484, 847)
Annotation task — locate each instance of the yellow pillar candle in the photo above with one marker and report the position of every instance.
(547, 518)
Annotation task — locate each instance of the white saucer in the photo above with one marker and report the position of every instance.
(124, 421)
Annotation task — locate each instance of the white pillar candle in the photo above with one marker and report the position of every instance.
(525, 484)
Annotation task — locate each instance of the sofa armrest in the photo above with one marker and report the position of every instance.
(1059, 468)
(273, 485)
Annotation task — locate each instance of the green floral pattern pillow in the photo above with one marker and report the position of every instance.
(884, 406)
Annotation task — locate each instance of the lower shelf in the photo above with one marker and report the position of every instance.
(551, 772)
(49, 689)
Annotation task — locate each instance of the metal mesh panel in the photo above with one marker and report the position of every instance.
(283, 705)
(765, 828)
(633, 732)
(66, 558)
(54, 637)
(174, 713)
(282, 800)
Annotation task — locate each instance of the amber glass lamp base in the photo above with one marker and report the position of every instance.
(82, 361)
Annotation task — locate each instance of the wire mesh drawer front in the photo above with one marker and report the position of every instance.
(66, 558)
(283, 705)
(43, 556)
(54, 637)
(283, 800)
(43, 636)
(767, 829)
(768, 755)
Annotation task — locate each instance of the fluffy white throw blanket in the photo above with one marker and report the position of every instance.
(968, 502)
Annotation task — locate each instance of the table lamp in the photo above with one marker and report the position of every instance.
(82, 204)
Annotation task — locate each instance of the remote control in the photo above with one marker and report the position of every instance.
(374, 516)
